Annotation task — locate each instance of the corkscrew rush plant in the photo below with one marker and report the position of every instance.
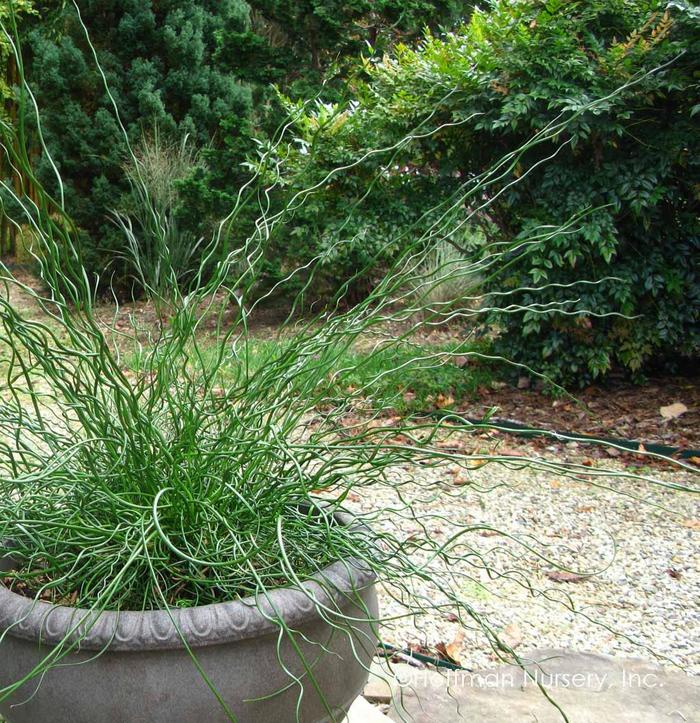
(210, 474)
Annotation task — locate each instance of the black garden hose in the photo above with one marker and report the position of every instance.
(523, 430)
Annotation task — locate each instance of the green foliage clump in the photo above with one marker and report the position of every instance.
(158, 62)
(307, 49)
(628, 169)
(10, 10)
(187, 68)
(300, 45)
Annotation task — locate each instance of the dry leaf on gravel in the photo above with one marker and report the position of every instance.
(673, 410)
(451, 651)
(503, 451)
(511, 635)
(563, 576)
(442, 401)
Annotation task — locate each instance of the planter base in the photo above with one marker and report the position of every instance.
(134, 668)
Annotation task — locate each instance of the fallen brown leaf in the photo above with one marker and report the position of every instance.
(442, 401)
(460, 481)
(563, 576)
(507, 452)
(451, 651)
(452, 445)
(511, 635)
(673, 410)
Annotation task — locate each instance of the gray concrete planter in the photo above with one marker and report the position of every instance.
(135, 667)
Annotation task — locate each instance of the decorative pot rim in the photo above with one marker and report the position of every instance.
(336, 586)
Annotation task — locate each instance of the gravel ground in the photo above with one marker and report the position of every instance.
(645, 600)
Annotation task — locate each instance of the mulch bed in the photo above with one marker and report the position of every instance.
(624, 410)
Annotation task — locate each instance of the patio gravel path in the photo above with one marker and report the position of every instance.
(645, 599)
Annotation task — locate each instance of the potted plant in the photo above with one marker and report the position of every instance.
(179, 498)
(175, 548)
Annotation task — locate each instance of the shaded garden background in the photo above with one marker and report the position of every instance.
(202, 85)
